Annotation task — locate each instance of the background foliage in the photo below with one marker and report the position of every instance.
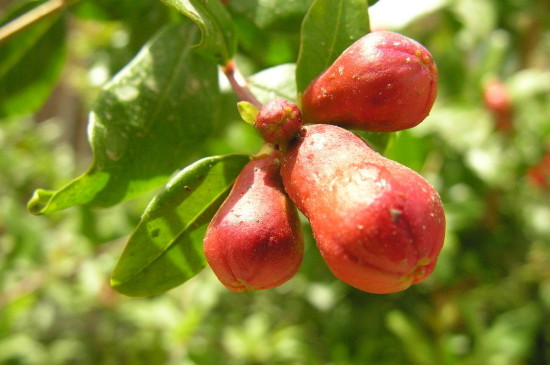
(488, 302)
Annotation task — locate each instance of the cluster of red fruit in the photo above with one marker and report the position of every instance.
(379, 225)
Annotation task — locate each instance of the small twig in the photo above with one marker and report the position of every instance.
(239, 85)
(40, 12)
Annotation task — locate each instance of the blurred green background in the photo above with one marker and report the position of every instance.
(483, 147)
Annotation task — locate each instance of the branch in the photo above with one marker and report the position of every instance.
(42, 11)
(239, 85)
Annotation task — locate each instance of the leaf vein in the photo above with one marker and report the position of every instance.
(332, 47)
(184, 229)
(175, 70)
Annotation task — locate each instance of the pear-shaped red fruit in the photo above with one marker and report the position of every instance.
(254, 240)
(378, 224)
(383, 82)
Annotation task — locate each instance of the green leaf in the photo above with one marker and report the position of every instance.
(379, 141)
(409, 149)
(149, 120)
(329, 27)
(218, 33)
(403, 146)
(109, 10)
(278, 15)
(248, 111)
(277, 81)
(30, 65)
(165, 250)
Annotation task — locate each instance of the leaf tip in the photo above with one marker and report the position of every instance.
(39, 201)
(122, 287)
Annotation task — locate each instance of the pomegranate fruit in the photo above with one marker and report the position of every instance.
(378, 224)
(254, 240)
(383, 82)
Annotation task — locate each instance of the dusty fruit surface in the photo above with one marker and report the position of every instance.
(278, 121)
(255, 241)
(378, 224)
(383, 82)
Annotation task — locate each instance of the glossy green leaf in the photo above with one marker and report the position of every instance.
(30, 65)
(329, 27)
(218, 33)
(148, 121)
(279, 15)
(277, 81)
(165, 250)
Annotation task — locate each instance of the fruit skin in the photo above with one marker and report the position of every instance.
(278, 121)
(254, 240)
(383, 82)
(378, 224)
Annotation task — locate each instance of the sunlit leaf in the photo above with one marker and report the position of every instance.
(165, 250)
(218, 33)
(150, 120)
(277, 81)
(329, 27)
(248, 112)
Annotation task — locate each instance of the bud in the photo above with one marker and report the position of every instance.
(278, 121)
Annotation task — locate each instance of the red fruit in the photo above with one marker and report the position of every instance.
(383, 82)
(254, 240)
(378, 224)
(497, 100)
(278, 121)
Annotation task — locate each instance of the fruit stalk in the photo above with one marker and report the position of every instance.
(238, 84)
